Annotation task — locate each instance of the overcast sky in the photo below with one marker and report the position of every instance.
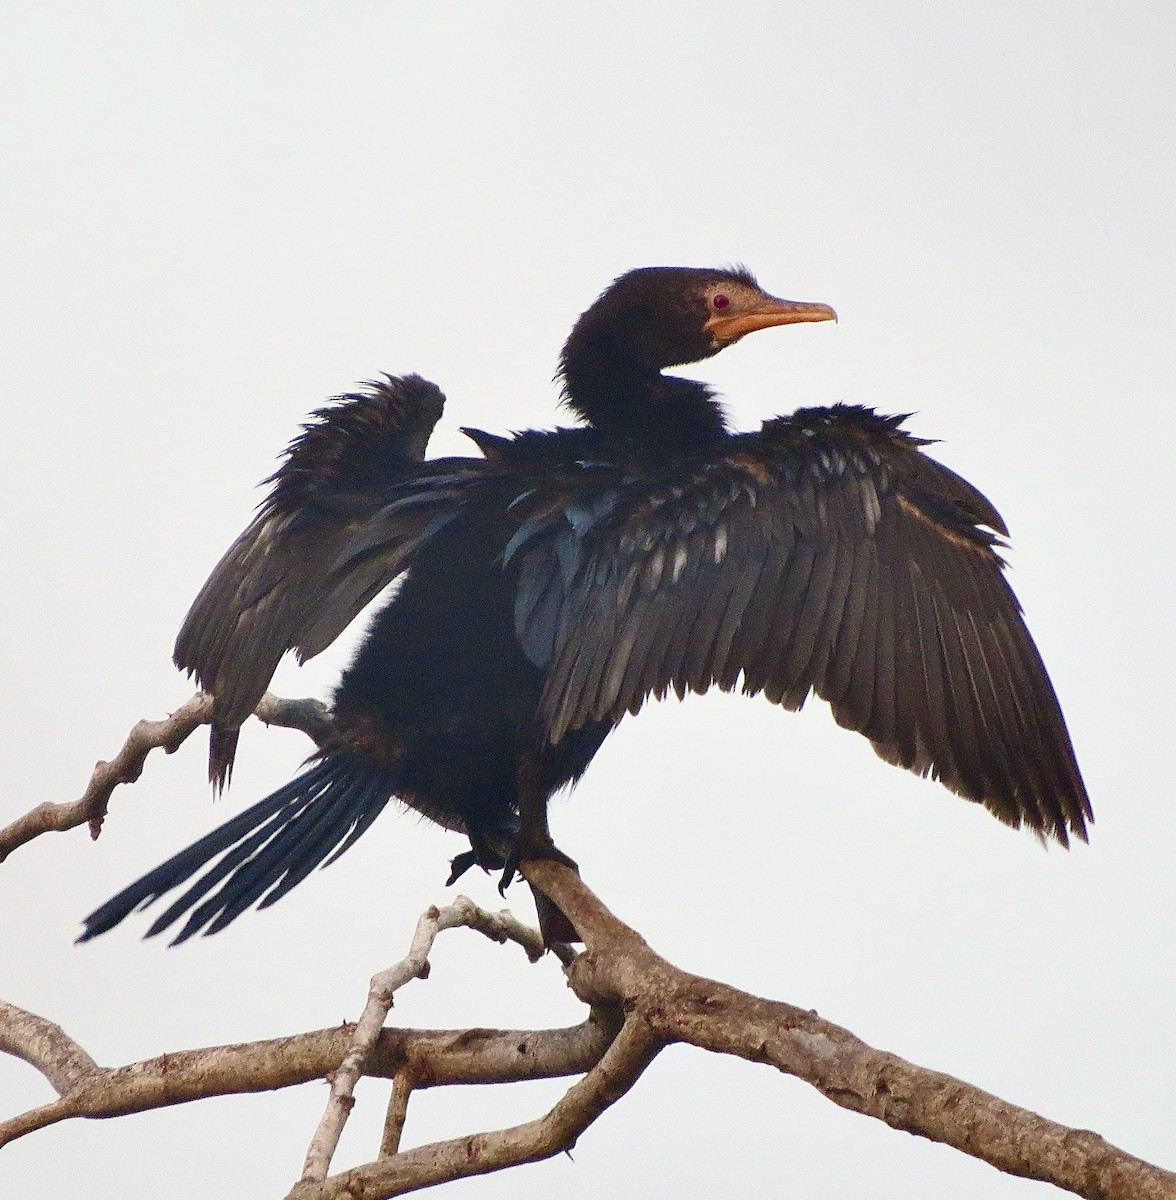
(213, 216)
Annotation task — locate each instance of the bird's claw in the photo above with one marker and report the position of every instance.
(460, 865)
(546, 853)
(487, 850)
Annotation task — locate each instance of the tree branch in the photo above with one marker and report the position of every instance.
(402, 1089)
(478, 1154)
(619, 967)
(44, 1045)
(447, 1056)
(310, 716)
(617, 973)
(463, 912)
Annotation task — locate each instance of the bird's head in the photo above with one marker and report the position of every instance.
(656, 317)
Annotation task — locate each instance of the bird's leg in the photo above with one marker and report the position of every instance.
(533, 841)
(503, 846)
(533, 838)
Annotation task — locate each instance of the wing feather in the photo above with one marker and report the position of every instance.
(268, 593)
(752, 641)
(836, 687)
(782, 687)
(826, 554)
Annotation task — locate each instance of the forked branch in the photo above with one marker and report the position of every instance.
(499, 927)
(620, 968)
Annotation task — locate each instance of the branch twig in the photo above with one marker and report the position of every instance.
(44, 1045)
(402, 1087)
(463, 912)
(310, 716)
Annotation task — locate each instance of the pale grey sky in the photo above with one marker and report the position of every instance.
(215, 215)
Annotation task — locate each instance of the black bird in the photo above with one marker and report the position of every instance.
(552, 585)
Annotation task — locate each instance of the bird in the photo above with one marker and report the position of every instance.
(551, 585)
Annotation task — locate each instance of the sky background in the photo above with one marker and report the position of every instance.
(213, 216)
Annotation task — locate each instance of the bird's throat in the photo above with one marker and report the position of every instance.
(660, 415)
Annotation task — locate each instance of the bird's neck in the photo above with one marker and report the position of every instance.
(659, 414)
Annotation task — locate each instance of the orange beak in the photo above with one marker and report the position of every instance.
(727, 327)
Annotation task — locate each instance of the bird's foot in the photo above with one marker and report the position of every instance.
(459, 865)
(547, 852)
(504, 850)
(490, 851)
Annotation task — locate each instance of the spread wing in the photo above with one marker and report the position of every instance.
(825, 554)
(264, 596)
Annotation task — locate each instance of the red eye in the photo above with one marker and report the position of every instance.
(720, 301)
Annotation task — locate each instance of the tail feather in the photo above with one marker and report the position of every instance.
(266, 850)
(144, 892)
(361, 826)
(295, 851)
(240, 853)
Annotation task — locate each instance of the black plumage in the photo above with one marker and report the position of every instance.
(262, 597)
(553, 584)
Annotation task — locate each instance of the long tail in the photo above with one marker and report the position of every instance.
(267, 850)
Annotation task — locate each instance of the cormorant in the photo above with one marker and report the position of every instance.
(552, 585)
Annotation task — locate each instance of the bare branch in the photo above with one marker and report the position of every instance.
(478, 1154)
(44, 1045)
(499, 927)
(310, 716)
(619, 966)
(617, 973)
(402, 1088)
(443, 1056)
